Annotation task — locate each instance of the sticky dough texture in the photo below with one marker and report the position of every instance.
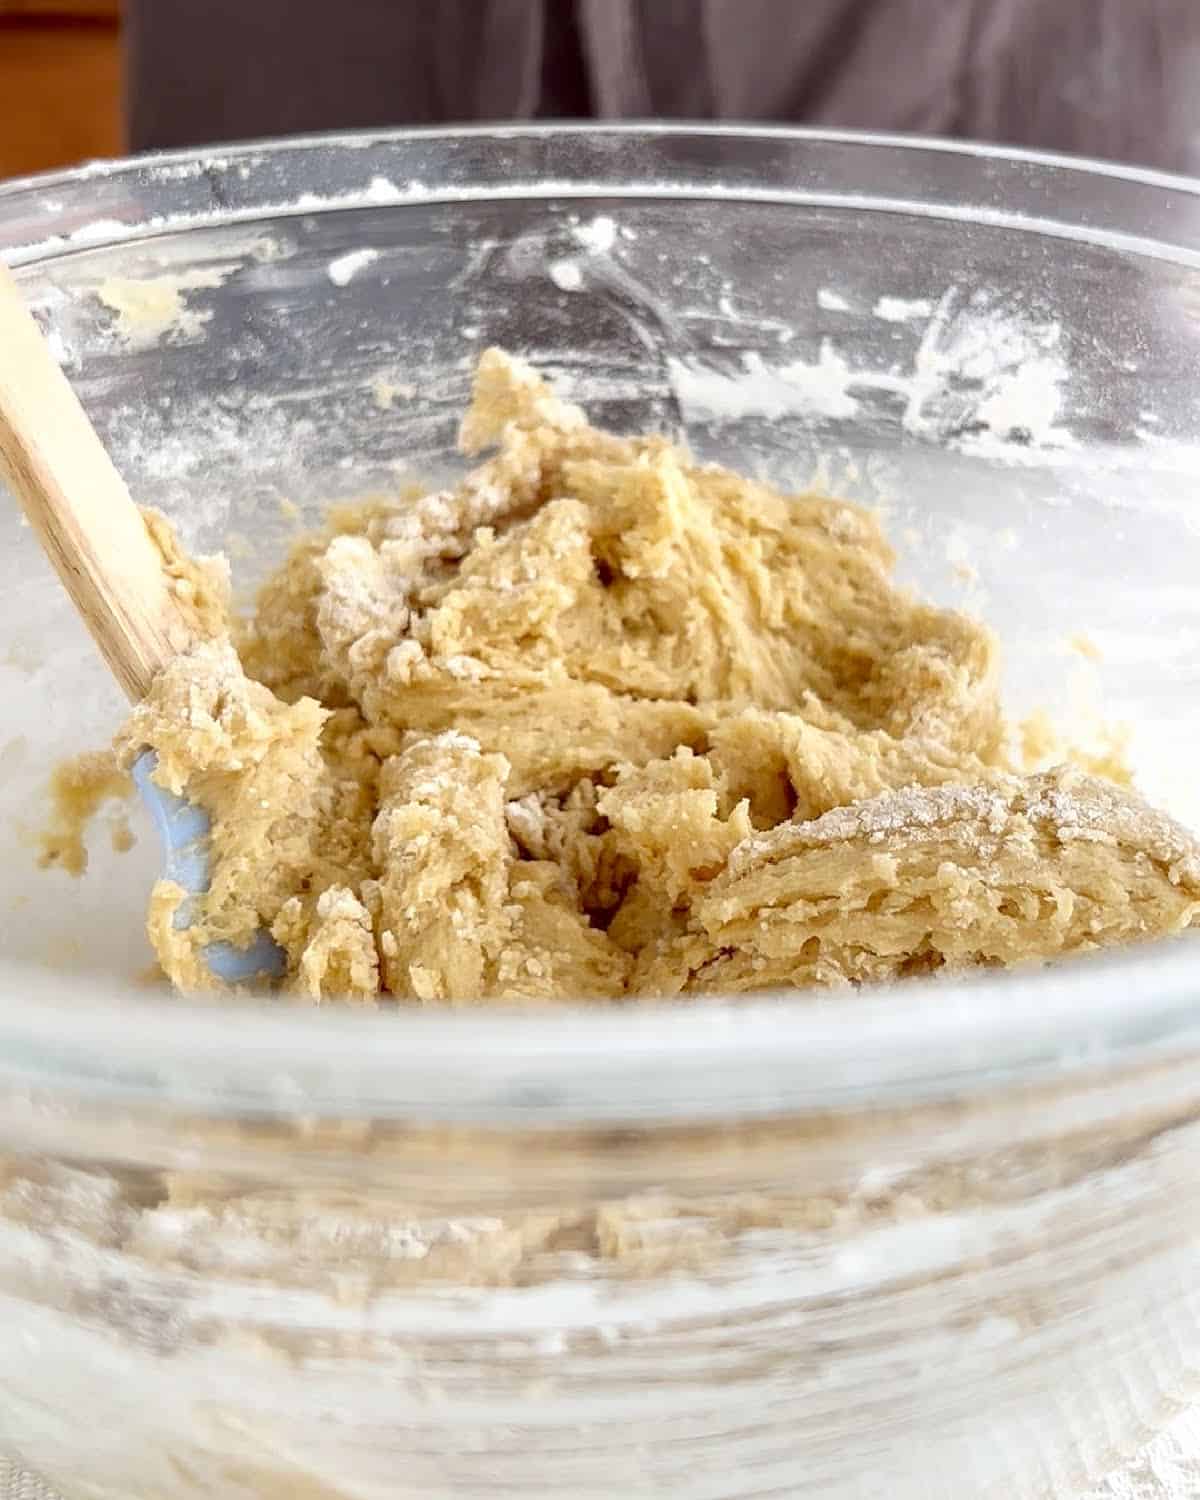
(603, 722)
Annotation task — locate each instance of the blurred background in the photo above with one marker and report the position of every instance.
(1118, 79)
(60, 83)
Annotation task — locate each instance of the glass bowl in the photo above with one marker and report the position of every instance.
(938, 1240)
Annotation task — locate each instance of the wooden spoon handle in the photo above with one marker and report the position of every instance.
(79, 505)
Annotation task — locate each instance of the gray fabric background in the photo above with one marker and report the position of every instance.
(1108, 78)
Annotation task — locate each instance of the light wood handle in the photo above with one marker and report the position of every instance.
(80, 507)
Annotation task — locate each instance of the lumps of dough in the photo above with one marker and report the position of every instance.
(460, 915)
(923, 879)
(290, 822)
(602, 722)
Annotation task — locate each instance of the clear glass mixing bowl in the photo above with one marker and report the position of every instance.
(936, 1241)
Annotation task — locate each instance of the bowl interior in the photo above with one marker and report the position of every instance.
(1015, 390)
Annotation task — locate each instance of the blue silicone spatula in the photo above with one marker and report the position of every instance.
(81, 510)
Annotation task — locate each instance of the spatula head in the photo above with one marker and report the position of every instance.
(185, 832)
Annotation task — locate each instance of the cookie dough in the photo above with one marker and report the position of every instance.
(603, 722)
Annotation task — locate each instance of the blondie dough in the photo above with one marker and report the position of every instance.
(603, 722)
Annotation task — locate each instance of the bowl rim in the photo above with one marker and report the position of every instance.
(642, 1063)
(646, 1062)
(637, 128)
(1115, 204)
